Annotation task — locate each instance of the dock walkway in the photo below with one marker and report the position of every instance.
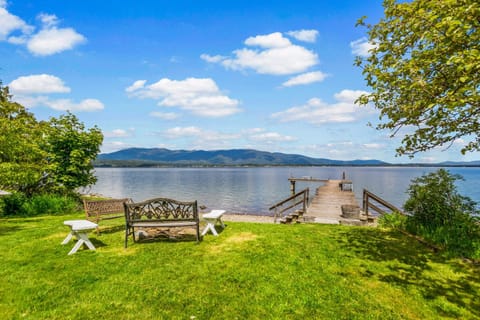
(326, 206)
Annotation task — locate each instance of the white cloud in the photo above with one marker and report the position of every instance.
(276, 56)
(136, 85)
(51, 41)
(48, 20)
(318, 112)
(84, 105)
(119, 133)
(373, 145)
(270, 137)
(202, 136)
(165, 115)
(201, 97)
(212, 59)
(10, 23)
(304, 35)
(305, 78)
(31, 92)
(361, 47)
(111, 146)
(272, 40)
(37, 84)
(180, 132)
(3, 3)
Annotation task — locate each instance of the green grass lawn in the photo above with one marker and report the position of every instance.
(251, 271)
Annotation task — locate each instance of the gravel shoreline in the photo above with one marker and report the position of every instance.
(247, 218)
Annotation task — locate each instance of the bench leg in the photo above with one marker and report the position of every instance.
(68, 238)
(210, 226)
(82, 239)
(221, 222)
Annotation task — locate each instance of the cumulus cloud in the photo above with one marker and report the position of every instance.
(31, 91)
(304, 35)
(201, 136)
(38, 84)
(88, 105)
(50, 39)
(318, 112)
(54, 40)
(119, 133)
(271, 54)
(212, 59)
(10, 23)
(139, 84)
(270, 137)
(305, 78)
(361, 47)
(200, 96)
(165, 115)
(373, 145)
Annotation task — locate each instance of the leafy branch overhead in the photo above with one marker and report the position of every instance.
(424, 72)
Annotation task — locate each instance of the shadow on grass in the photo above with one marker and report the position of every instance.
(4, 230)
(112, 229)
(410, 263)
(97, 243)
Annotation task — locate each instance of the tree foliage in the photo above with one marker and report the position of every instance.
(424, 72)
(440, 214)
(23, 160)
(71, 151)
(44, 156)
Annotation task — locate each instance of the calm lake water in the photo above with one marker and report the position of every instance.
(254, 190)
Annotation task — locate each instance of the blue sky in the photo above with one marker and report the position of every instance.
(267, 75)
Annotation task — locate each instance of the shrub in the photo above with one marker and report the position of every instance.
(395, 220)
(443, 216)
(18, 204)
(13, 203)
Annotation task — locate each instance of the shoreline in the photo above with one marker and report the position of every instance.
(245, 217)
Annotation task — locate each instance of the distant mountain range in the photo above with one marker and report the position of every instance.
(149, 157)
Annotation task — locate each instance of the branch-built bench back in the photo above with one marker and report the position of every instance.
(96, 210)
(160, 212)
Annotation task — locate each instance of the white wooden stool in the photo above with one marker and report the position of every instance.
(79, 229)
(211, 218)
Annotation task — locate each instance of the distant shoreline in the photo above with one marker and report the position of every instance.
(177, 165)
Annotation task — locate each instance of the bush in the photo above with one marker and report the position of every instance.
(17, 204)
(395, 220)
(443, 216)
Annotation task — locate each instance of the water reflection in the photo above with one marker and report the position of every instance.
(253, 190)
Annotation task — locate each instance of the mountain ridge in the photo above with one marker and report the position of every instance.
(221, 157)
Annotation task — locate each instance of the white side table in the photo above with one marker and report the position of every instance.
(211, 218)
(79, 229)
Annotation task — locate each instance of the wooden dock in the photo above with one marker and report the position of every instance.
(326, 206)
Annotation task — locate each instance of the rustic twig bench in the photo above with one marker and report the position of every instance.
(160, 212)
(96, 210)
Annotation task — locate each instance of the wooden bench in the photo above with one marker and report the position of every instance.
(96, 210)
(160, 212)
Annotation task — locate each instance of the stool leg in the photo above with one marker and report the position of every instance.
(84, 237)
(76, 246)
(68, 238)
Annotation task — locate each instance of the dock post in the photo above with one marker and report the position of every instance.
(292, 187)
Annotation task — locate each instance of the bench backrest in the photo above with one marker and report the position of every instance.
(161, 209)
(99, 208)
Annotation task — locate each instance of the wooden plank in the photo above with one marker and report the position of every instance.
(327, 202)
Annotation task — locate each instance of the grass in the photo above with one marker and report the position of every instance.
(251, 271)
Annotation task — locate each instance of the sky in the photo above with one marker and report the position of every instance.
(276, 76)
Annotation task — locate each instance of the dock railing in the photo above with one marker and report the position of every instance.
(377, 204)
(283, 207)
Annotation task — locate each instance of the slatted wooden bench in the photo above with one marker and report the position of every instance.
(97, 210)
(158, 213)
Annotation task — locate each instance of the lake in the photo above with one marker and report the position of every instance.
(255, 189)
